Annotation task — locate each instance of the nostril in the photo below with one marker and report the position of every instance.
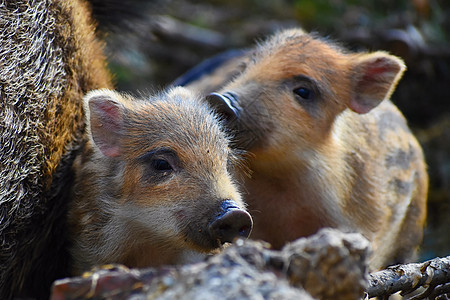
(232, 224)
(245, 230)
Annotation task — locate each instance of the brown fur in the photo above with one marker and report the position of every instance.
(126, 211)
(340, 159)
(49, 60)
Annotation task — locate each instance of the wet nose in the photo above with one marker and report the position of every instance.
(233, 222)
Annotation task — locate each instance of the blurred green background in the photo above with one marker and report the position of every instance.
(158, 41)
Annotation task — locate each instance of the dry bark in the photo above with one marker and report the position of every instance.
(328, 265)
(434, 275)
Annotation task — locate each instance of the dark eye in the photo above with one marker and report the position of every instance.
(161, 165)
(305, 93)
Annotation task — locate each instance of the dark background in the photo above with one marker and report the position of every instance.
(150, 43)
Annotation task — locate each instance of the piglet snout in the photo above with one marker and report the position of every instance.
(231, 223)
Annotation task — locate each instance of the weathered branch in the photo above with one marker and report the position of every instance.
(328, 265)
(433, 275)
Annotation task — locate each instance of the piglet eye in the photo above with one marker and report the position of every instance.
(304, 93)
(161, 165)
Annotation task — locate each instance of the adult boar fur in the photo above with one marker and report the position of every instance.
(49, 60)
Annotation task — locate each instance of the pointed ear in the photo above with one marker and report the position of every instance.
(375, 76)
(104, 119)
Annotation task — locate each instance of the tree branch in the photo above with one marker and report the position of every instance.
(433, 274)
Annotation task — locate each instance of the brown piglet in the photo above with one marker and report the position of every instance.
(152, 184)
(326, 148)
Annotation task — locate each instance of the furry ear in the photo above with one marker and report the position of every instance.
(375, 77)
(104, 119)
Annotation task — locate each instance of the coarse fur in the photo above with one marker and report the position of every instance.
(49, 59)
(128, 208)
(326, 146)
